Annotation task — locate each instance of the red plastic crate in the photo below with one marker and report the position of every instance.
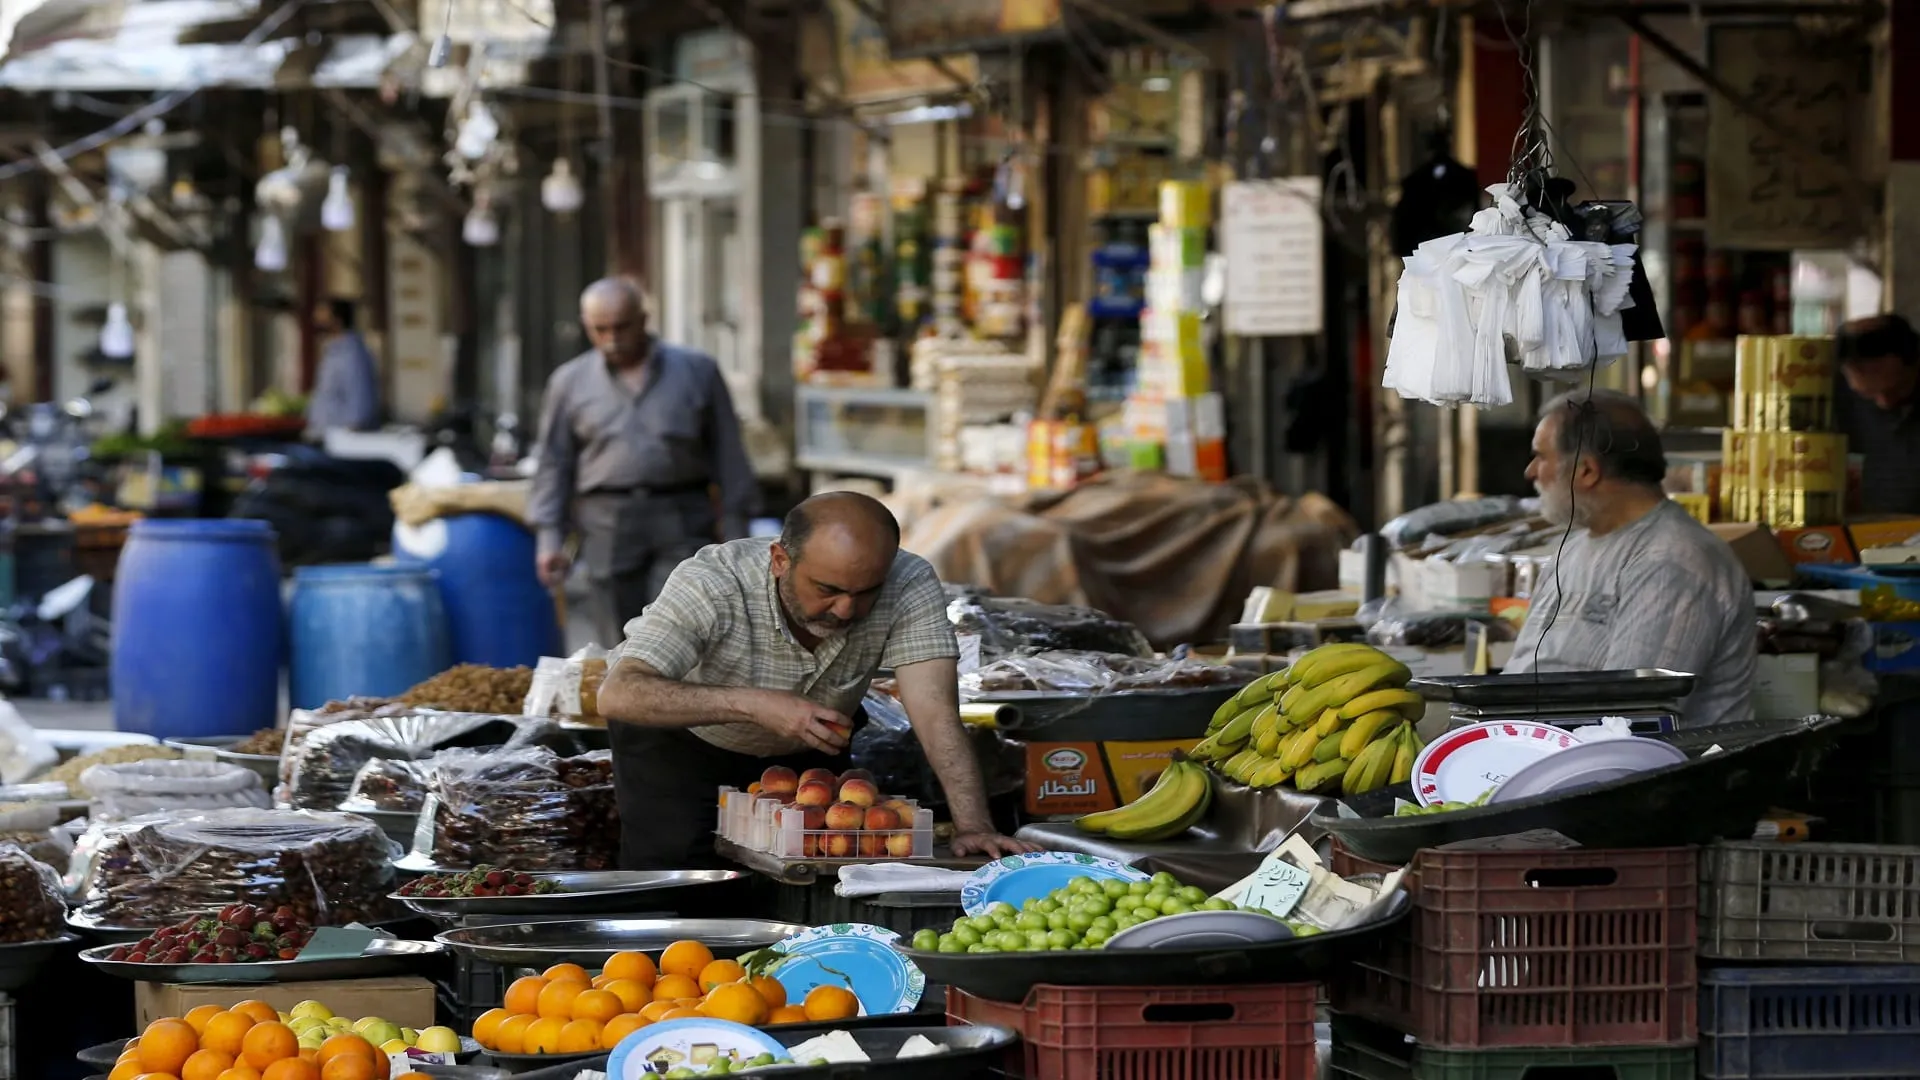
(1379, 984)
(1539, 949)
(1156, 1032)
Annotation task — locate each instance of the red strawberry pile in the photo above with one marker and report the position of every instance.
(240, 934)
(479, 881)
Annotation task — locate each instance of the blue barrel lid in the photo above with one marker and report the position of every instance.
(339, 572)
(213, 529)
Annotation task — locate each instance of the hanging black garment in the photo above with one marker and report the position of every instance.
(1436, 199)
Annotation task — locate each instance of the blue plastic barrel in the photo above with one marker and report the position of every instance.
(497, 611)
(363, 631)
(197, 629)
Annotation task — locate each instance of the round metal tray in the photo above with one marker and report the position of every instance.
(589, 942)
(583, 892)
(21, 961)
(99, 931)
(384, 956)
(265, 766)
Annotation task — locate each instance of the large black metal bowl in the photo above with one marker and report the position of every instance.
(1008, 976)
(1706, 798)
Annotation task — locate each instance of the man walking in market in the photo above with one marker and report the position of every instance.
(1880, 363)
(637, 437)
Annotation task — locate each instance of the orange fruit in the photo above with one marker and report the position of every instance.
(637, 966)
(787, 1014)
(567, 972)
(524, 995)
(738, 1002)
(488, 1023)
(345, 1043)
(348, 1067)
(632, 993)
(125, 1070)
(206, 1065)
(225, 1032)
(166, 1045)
(261, 1012)
(240, 1072)
(511, 1036)
(156, 1076)
(543, 1037)
(597, 1006)
(687, 958)
(266, 1044)
(654, 1011)
(580, 1037)
(681, 1014)
(291, 1068)
(770, 989)
(600, 981)
(831, 1003)
(197, 1018)
(721, 972)
(619, 1028)
(556, 1000)
(674, 987)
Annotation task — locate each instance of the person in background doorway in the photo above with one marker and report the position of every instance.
(634, 436)
(1638, 583)
(1880, 361)
(346, 392)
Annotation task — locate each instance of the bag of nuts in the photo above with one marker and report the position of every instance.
(332, 869)
(32, 907)
(393, 786)
(326, 764)
(525, 809)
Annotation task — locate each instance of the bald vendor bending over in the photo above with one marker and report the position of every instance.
(758, 654)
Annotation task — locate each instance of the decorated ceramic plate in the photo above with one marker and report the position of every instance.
(694, 1044)
(858, 956)
(1468, 763)
(1017, 879)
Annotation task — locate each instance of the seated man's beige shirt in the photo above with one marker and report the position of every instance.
(717, 623)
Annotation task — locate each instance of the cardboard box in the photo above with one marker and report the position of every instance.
(1440, 585)
(406, 1000)
(1886, 532)
(1088, 777)
(1759, 552)
(1786, 687)
(1821, 545)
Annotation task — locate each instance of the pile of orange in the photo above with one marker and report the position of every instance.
(246, 1042)
(563, 1010)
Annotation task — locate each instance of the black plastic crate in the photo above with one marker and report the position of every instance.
(1803, 1023)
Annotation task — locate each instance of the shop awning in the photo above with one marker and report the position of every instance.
(101, 46)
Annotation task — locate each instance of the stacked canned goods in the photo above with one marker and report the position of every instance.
(1783, 465)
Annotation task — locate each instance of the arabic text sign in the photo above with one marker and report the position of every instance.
(1271, 236)
(1762, 191)
(1277, 886)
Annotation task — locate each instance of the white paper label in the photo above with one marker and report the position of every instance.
(1277, 886)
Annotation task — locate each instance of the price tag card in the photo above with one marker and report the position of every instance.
(1277, 885)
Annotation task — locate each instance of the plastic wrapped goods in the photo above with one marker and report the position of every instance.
(525, 809)
(1010, 626)
(327, 762)
(119, 792)
(331, 869)
(31, 903)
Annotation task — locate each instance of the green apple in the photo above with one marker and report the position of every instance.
(303, 1024)
(313, 1039)
(393, 1046)
(380, 1031)
(439, 1040)
(411, 1036)
(311, 1008)
(340, 1023)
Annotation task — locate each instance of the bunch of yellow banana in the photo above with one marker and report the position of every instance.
(1176, 802)
(1340, 720)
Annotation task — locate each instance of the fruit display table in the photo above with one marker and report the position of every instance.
(802, 891)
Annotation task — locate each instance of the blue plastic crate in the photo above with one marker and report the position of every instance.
(1807, 1023)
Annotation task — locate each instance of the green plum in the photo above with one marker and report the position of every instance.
(1191, 894)
(1214, 903)
(926, 940)
(1113, 888)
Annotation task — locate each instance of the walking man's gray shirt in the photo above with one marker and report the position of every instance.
(1663, 592)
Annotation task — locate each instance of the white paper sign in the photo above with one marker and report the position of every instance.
(1277, 886)
(1271, 235)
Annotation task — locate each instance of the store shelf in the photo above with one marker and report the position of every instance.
(878, 431)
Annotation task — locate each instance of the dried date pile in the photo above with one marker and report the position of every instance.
(384, 784)
(527, 807)
(327, 869)
(30, 904)
(473, 688)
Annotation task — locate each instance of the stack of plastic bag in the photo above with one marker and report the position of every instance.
(1515, 288)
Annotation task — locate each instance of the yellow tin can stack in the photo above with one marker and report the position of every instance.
(1782, 464)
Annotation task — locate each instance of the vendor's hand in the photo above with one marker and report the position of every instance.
(552, 568)
(806, 721)
(990, 844)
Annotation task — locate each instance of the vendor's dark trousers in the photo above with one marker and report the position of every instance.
(668, 782)
(618, 598)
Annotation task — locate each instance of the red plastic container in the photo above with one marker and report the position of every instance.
(1156, 1033)
(1540, 949)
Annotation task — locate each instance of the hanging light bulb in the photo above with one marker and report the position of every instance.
(116, 336)
(270, 254)
(477, 132)
(336, 211)
(480, 229)
(560, 191)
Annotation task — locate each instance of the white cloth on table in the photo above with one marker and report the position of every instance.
(872, 879)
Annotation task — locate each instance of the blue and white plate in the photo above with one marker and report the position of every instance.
(657, 1048)
(858, 956)
(1017, 879)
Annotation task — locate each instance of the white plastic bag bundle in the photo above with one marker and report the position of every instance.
(119, 792)
(24, 752)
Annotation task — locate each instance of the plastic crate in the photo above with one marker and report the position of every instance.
(1586, 1062)
(1843, 903)
(1810, 1022)
(1377, 985)
(1156, 1032)
(1366, 1051)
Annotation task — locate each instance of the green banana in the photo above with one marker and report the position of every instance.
(1367, 729)
(1232, 767)
(1228, 709)
(1210, 749)
(1267, 743)
(1300, 751)
(1286, 701)
(1329, 723)
(1272, 774)
(1240, 728)
(1355, 781)
(1327, 748)
(1163, 798)
(1268, 722)
(1321, 776)
(1405, 750)
(1306, 669)
(1193, 796)
(1344, 688)
(1405, 702)
(1344, 664)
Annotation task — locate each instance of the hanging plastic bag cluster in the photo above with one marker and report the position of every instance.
(1517, 287)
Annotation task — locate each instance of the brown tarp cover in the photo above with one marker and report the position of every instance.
(1175, 557)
